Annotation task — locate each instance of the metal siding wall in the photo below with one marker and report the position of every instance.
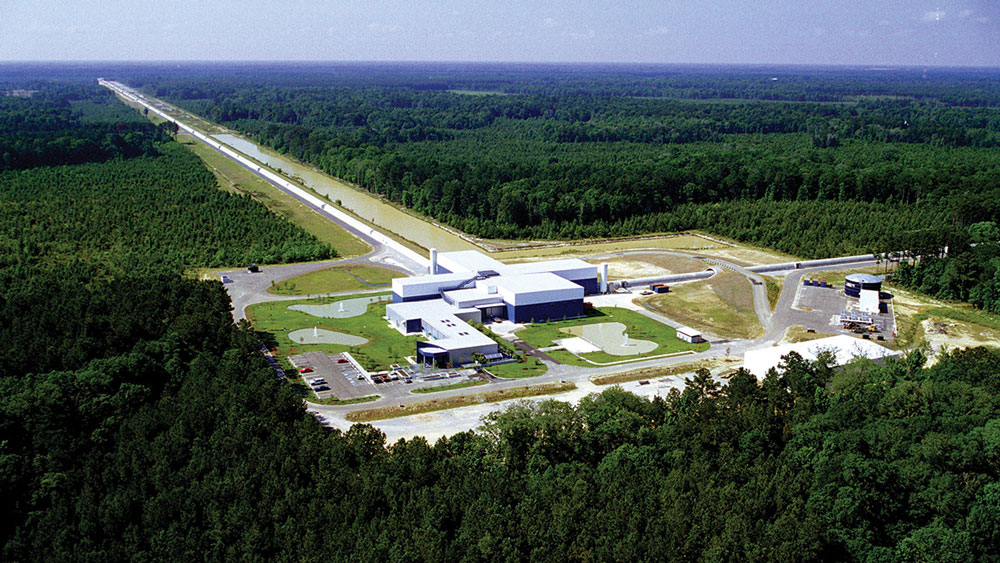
(413, 325)
(852, 289)
(544, 312)
(419, 298)
(590, 285)
(396, 298)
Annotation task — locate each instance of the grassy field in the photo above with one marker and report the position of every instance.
(459, 385)
(382, 413)
(773, 287)
(507, 250)
(638, 327)
(274, 320)
(721, 306)
(234, 178)
(337, 278)
(710, 364)
(836, 277)
(531, 367)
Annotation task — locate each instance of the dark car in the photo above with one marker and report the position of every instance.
(321, 388)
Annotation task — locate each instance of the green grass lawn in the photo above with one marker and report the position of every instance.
(337, 278)
(459, 385)
(638, 327)
(531, 367)
(274, 320)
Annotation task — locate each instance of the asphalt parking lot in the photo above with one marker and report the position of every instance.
(819, 308)
(341, 376)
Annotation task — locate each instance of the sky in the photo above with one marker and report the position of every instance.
(845, 32)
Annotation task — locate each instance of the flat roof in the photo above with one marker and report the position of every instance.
(471, 293)
(470, 260)
(531, 283)
(688, 331)
(845, 348)
(440, 316)
(436, 278)
(864, 278)
(546, 266)
(426, 309)
(869, 301)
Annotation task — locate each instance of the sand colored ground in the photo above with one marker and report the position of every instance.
(649, 265)
(798, 333)
(939, 325)
(943, 334)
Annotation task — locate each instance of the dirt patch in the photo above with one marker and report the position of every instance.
(944, 334)
(799, 333)
(631, 269)
(650, 265)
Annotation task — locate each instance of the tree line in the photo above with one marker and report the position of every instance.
(578, 163)
(66, 124)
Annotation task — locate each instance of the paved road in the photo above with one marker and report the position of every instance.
(776, 324)
(248, 289)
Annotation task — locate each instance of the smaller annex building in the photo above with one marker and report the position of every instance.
(469, 286)
(688, 334)
(844, 348)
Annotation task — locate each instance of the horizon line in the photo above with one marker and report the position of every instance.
(874, 66)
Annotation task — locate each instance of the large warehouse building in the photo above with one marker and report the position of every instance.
(843, 348)
(470, 286)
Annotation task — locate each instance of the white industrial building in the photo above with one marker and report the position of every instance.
(844, 348)
(688, 334)
(470, 286)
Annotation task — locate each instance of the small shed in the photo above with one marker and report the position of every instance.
(688, 334)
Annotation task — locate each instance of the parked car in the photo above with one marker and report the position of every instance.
(321, 388)
(342, 361)
(305, 369)
(317, 381)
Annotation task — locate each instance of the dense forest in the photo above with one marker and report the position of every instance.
(179, 443)
(970, 272)
(137, 422)
(152, 204)
(573, 152)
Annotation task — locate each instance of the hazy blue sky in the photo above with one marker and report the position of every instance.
(870, 32)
